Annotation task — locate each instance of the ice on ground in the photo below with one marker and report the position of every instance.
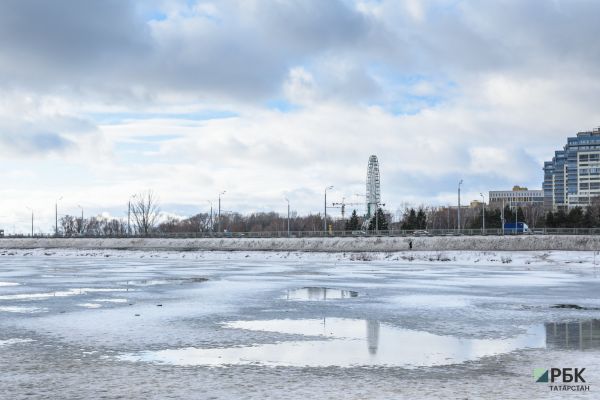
(23, 310)
(434, 325)
(60, 293)
(430, 301)
(9, 284)
(9, 342)
(110, 300)
(90, 305)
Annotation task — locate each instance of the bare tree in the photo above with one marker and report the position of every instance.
(145, 212)
(68, 223)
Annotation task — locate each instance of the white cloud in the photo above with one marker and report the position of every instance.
(439, 89)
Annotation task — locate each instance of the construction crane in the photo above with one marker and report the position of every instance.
(343, 205)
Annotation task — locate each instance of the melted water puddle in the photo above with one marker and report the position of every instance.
(345, 343)
(319, 294)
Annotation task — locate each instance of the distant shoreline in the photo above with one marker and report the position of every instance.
(333, 244)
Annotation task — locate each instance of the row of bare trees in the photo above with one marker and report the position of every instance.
(94, 226)
(144, 213)
(142, 219)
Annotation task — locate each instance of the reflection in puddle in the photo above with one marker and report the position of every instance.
(345, 343)
(167, 281)
(582, 335)
(319, 294)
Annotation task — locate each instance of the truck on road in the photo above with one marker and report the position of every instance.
(512, 228)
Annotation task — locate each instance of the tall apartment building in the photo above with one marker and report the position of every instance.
(572, 178)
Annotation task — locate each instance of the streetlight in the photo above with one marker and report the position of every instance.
(211, 215)
(220, 194)
(325, 221)
(56, 215)
(81, 225)
(483, 208)
(288, 221)
(516, 219)
(502, 216)
(459, 183)
(31, 209)
(128, 214)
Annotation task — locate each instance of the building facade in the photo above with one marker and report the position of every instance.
(572, 178)
(518, 196)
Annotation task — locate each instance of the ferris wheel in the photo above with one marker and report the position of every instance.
(373, 197)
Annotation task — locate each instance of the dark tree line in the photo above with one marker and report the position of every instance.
(414, 220)
(379, 221)
(575, 218)
(493, 218)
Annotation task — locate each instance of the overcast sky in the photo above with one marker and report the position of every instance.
(274, 99)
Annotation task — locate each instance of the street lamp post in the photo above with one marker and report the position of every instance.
(219, 217)
(128, 215)
(459, 183)
(325, 206)
(483, 210)
(502, 217)
(31, 209)
(211, 216)
(288, 218)
(56, 215)
(81, 224)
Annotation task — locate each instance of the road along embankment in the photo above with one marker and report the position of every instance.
(333, 244)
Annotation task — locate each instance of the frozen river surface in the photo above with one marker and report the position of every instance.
(200, 325)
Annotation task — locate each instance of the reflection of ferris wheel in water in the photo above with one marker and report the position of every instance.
(373, 186)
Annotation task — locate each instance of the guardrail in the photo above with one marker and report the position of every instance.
(317, 234)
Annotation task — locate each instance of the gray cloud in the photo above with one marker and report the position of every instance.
(67, 43)
(116, 50)
(34, 143)
(111, 47)
(37, 134)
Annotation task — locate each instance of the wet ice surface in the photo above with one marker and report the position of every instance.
(350, 342)
(272, 325)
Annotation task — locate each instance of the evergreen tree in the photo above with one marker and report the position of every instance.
(560, 219)
(588, 219)
(381, 223)
(421, 219)
(353, 223)
(574, 218)
(550, 222)
(509, 215)
(409, 221)
(493, 219)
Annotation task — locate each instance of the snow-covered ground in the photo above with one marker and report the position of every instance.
(278, 324)
(325, 244)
